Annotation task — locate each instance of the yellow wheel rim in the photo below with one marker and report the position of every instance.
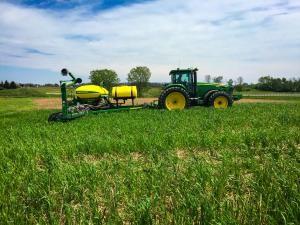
(221, 102)
(175, 100)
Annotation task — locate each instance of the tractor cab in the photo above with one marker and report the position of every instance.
(187, 78)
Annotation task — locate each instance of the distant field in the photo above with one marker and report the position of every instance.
(274, 97)
(255, 91)
(30, 92)
(254, 94)
(197, 166)
(152, 92)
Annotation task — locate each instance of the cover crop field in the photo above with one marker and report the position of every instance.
(197, 166)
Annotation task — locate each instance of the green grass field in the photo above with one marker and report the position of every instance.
(198, 166)
(12, 105)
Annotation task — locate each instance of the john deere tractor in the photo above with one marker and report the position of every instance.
(184, 91)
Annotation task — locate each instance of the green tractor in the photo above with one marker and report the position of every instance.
(184, 91)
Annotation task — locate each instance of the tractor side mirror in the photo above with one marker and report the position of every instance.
(64, 72)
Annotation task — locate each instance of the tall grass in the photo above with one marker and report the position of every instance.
(198, 166)
(13, 105)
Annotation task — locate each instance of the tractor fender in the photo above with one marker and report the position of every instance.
(207, 95)
(175, 85)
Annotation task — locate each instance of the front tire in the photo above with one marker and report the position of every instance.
(206, 97)
(220, 100)
(174, 98)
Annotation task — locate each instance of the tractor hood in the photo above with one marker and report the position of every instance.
(204, 87)
(213, 84)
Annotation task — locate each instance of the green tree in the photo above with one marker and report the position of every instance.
(6, 85)
(139, 76)
(207, 78)
(218, 79)
(240, 81)
(12, 85)
(105, 77)
(239, 84)
(268, 83)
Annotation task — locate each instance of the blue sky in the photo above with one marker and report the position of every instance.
(230, 38)
(61, 5)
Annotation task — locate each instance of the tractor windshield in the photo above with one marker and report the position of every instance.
(181, 78)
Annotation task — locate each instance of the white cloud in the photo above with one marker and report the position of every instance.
(230, 38)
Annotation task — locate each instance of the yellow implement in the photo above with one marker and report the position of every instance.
(90, 91)
(124, 92)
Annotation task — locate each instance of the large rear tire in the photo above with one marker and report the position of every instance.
(174, 98)
(220, 100)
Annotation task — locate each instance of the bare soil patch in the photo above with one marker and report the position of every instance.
(47, 103)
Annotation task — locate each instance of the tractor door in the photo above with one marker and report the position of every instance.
(186, 78)
(194, 83)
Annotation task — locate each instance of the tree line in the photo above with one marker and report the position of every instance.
(14, 85)
(8, 85)
(141, 75)
(265, 83)
(268, 83)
